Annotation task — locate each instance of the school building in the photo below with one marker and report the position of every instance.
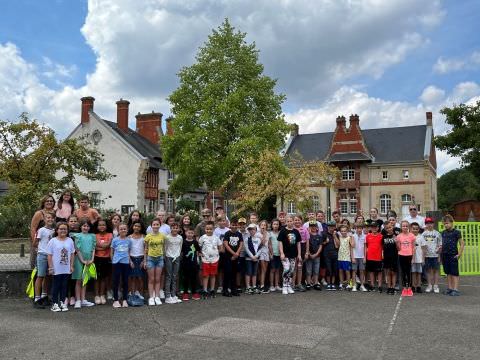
(388, 168)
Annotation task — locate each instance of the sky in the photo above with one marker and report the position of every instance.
(387, 61)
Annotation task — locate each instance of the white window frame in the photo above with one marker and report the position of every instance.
(170, 175)
(315, 203)
(348, 173)
(405, 174)
(407, 198)
(384, 175)
(170, 203)
(385, 203)
(291, 208)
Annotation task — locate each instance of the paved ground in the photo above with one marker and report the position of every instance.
(312, 325)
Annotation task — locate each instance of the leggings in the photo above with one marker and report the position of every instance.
(59, 291)
(230, 274)
(406, 267)
(120, 271)
(288, 269)
(190, 275)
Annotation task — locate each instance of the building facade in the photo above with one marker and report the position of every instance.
(389, 168)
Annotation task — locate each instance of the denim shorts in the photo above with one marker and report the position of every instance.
(251, 268)
(312, 266)
(137, 271)
(42, 265)
(359, 264)
(432, 263)
(154, 262)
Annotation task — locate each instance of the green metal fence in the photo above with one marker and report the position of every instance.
(469, 263)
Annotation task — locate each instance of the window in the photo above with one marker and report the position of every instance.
(95, 199)
(348, 203)
(353, 203)
(348, 173)
(126, 209)
(406, 198)
(406, 174)
(291, 208)
(170, 175)
(315, 203)
(170, 203)
(384, 175)
(152, 206)
(385, 203)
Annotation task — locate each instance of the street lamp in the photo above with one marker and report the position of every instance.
(329, 179)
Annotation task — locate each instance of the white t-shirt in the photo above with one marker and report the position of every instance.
(209, 245)
(173, 246)
(420, 220)
(418, 255)
(44, 235)
(137, 248)
(220, 233)
(433, 240)
(359, 249)
(61, 251)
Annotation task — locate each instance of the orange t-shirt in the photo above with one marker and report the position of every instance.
(90, 214)
(103, 239)
(407, 244)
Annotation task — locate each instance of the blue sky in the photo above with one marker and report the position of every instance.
(388, 61)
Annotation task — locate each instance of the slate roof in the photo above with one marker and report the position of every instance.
(141, 144)
(388, 145)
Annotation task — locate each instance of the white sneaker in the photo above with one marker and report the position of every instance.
(157, 300)
(349, 287)
(55, 308)
(429, 289)
(109, 295)
(324, 283)
(78, 304)
(63, 306)
(436, 289)
(137, 293)
(354, 288)
(362, 288)
(162, 295)
(97, 300)
(340, 287)
(285, 290)
(87, 303)
(151, 301)
(272, 289)
(290, 290)
(357, 279)
(278, 288)
(169, 300)
(219, 290)
(177, 300)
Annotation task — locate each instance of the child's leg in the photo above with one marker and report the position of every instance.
(362, 277)
(116, 280)
(63, 286)
(38, 287)
(247, 281)
(430, 276)
(175, 268)
(347, 276)
(371, 276)
(455, 281)
(341, 275)
(125, 273)
(299, 272)
(264, 265)
(212, 282)
(308, 271)
(151, 282)
(380, 278)
(96, 286)
(205, 283)
(435, 276)
(168, 276)
(158, 280)
(56, 298)
(272, 274)
(84, 292)
(78, 290)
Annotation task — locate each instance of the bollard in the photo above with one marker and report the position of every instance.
(22, 250)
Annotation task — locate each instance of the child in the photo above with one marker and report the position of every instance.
(189, 264)
(233, 244)
(406, 245)
(330, 250)
(173, 250)
(345, 257)
(305, 236)
(73, 228)
(264, 255)
(451, 254)
(313, 259)
(121, 263)
(289, 249)
(102, 261)
(275, 263)
(220, 232)
(390, 257)
(418, 258)
(115, 222)
(253, 243)
(242, 229)
(137, 256)
(153, 252)
(44, 234)
(433, 239)
(374, 254)
(211, 246)
(358, 258)
(85, 249)
(60, 254)
(135, 217)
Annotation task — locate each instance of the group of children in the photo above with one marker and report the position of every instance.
(286, 255)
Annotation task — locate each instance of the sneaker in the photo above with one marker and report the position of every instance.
(357, 279)
(249, 291)
(137, 293)
(109, 295)
(124, 303)
(196, 296)
(265, 290)
(78, 304)
(87, 303)
(363, 288)
(329, 287)
(177, 300)
(436, 289)
(454, 293)
(272, 289)
(429, 289)
(38, 304)
(354, 288)
(256, 290)
(404, 292)
(151, 301)
(409, 292)
(185, 297)
(413, 289)
(63, 306)
(333, 287)
(103, 301)
(419, 290)
(308, 287)
(285, 290)
(380, 289)
(349, 287)
(290, 290)
(278, 288)
(157, 300)
(324, 283)
(97, 300)
(55, 308)
(72, 301)
(162, 295)
(317, 287)
(447, 292)
(116, 304)
(300, 288)
(212, 294)
(219, 290)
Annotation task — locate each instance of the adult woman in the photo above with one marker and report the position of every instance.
(46, 207)
(65, 206)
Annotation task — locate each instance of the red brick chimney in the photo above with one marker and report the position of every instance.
(122, 114)
(169, 125)
(348, 140)
(87, 105)
(150, 126)
(429, 118)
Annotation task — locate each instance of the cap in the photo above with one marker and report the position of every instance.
(429, 220)
(312, 223)
(242, 221)
(331, 223)
(252, 226)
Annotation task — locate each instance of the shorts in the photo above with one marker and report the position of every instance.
(251, 268)
(432, 263)
(209, 269)
(154, 262)
(263, 254)
(312, 266)
(450, 265)
(42, 264)
(374, 266)
(103, 266)
(276, 263)
(416, 268)
(390, 263)
(359, 264)
(241, 265)
(344, 265)
(137, 270)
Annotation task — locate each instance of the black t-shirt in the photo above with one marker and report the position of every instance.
(234, 239)
(190, 250)
(396, 231)
(289, 240)
(389, 246)
(315, 242)
(329, 248)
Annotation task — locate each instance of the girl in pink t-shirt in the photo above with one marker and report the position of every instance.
(406, 246)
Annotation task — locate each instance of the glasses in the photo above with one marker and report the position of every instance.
(413, 209)
(49, 201)
(204, 215)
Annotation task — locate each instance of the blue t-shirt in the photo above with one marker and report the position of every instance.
(121, 251)
(450, 241)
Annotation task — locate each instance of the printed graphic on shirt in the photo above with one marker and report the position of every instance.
(233, 241)
(191, 253)
(63, 257)
(292, 238)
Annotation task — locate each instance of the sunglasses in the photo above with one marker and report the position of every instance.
(413, 209)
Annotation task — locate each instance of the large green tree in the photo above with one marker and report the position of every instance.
(457, 185)
(225, 110)
(463, 139)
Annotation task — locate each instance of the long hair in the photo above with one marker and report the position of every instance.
(44, 200)
(71, 201)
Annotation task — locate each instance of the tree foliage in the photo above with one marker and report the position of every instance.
(463, 139)
(457, 185)
(289, 179)
(224, 111)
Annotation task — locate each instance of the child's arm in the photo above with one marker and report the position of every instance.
(317, 254)
(462, 247)
(280, 250)
(36, 239)
(50, 264)
(79, 254)
(72, 259)
(299, 251)
(112, 251)
(228, 249)
(352, 247)
(93, 252)
(336, 241)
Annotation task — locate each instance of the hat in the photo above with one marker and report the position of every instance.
(312, 223)
(242, 221)
(252, 226)
(331, 223)
(429, 220)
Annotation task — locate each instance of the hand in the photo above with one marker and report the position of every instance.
(354, 261)
(144, 266)
(458, 256)
(282, 257)
(131, 264)
(234, 257)
(50, 271)
(71, 270)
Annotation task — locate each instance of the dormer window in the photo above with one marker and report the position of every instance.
(348, 173)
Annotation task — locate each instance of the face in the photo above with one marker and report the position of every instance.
(321, 217)
(222, 223)
(415, 229)
(161, 215)
(343, 231)
(85, 228)
(405, 227)
(429, 226)
(289, 221)
(373, 229)
(242, 226)
(220, 212)
(311, 216)
(190, 234)
(48, 219)
(373, 213)
(252, 231)
(389, 228)
(135, 216)
(263, 225)
(233, 226)
(171, 220)
(448, 225)
(174, 230)
(155, 226)
(116, 220)
(275, 226)
(359, 230)
(360, 219)
(62, 230)
(336, 217)
(84, 204)
(297, 222)
(392, 221)
(72, 222)
(205, 215)
(253, 218)
(67, 196)
(313, 229)
(413, 211)
(331, 229)
(122, 230)
(186, 220)
(281, 217)
(209, 230)
(102, 226)
(49, 203)
(137, 228)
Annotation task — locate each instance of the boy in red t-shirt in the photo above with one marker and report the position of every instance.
(374, 254)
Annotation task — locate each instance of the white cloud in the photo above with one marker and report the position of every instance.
(444, 66)
(53, 70)
(432, 95)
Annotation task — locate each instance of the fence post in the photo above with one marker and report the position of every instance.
(22, 250)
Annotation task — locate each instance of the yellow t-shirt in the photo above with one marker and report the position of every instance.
(155, 244)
